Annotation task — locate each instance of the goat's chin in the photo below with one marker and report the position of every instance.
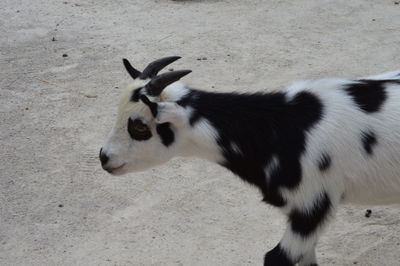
(135, 167)
(118, 173)
(131, 169)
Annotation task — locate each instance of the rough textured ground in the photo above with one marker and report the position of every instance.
(58, 207)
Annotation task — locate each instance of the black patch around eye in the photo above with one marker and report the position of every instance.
(166, 134)
(134, 133)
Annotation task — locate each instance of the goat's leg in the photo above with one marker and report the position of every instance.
(304, 228)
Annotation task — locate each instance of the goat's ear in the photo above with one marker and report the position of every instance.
(134, 73)
(164, 112)
(170, 112)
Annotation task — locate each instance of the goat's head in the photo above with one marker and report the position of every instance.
(143, 135)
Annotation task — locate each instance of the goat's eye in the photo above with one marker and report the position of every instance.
(138, 130)
(141, 128)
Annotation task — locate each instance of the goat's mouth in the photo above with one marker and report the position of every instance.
(116, 170)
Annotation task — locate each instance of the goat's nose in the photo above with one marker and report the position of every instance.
(103, 157)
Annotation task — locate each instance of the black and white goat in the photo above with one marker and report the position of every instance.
(307, 148)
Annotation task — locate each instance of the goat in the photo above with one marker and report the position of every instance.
(307, 148)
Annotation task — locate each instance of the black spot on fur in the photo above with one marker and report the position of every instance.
(136, 95)
(277, 257)
(314, 264)
(260, 125)
(369, 95)
(166, 134)
(305, 222)
(324, 162)
(368, 139)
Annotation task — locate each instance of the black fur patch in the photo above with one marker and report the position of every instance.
(274, 198)
(152, 105)
(277, 257)
(368, 139)
(369, 95)
(166, 134)
(260, 125)
(314, 264)
(305, 222)
(136, 95)
(324, 162)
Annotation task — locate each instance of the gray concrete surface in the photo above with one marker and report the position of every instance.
(58, 207)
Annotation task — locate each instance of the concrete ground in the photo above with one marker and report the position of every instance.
(58, 207)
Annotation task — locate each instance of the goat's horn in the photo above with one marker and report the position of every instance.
(154, 67)
(157, 84)
(134, 73)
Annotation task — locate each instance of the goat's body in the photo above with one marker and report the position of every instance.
(307, 148)
(361, 177)
(349, 152)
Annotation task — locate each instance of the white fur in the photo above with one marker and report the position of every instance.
(386, 75)
(202, 142)
(174, 92)
(362, 179)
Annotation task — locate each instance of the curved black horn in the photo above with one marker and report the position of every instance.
(154, 67)
(131, 70)
(157, 84)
